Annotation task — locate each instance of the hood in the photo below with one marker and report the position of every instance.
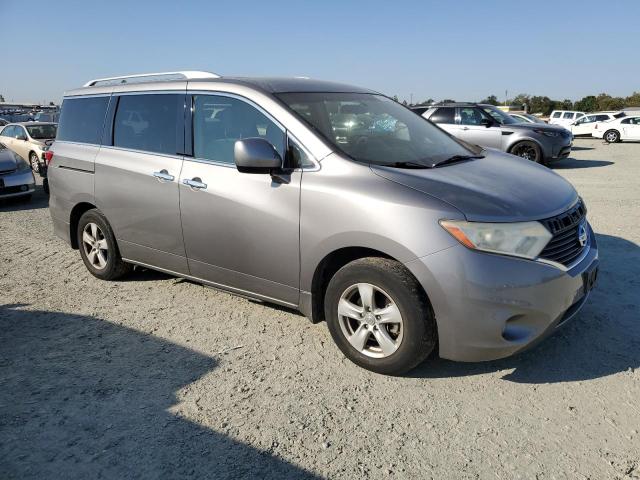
(8, 160)
(496, 188)
(534, 126)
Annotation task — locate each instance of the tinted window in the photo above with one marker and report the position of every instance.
(219, 121)
(557, 114)
(470, 116)
(40, 132)
(147, 122)
(19, 131)
(443, 115)
(567, 115)
(619, 115)
(81, 119)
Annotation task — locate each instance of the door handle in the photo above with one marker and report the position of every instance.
(195, 183)
(163, 175)
(465, 128)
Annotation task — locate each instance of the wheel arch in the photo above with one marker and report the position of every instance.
(329, 265)
(74, 217)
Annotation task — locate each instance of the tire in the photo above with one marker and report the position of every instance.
(101, 256)
(34, 162)
(527, 150)
(611, 136)
(412, 339)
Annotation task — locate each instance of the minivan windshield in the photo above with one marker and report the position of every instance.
(374, 129)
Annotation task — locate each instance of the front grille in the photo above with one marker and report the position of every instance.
(564, 247)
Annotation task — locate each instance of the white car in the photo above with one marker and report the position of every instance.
(625, 128)
(585, 125)
(526, 118)
(564, 117)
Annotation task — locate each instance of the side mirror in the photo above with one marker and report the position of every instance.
(256, 155)
(486, 122)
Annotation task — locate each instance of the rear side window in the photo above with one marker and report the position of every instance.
(147, 123)
(443, 115)
(602, 118)
(82, 119)
(567, 115)
(557, 114)
(219, 121)
(8, 131)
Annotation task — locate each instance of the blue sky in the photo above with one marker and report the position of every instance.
(460, 49)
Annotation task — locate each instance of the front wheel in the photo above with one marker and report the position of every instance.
(612, 136)
(98, 247)
(379, 316)
(527, 150)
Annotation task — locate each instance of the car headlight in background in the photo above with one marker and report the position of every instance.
(548, 133)
(521, 239)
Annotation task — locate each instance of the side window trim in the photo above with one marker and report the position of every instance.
(316, 165)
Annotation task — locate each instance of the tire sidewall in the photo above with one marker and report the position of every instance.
(35, 166)
(94, 216)
(617, 134)
(418, 338)
(536, 147)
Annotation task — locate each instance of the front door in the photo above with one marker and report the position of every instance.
(631, 128)
(472, 130)
(136, 180)
(241, 230)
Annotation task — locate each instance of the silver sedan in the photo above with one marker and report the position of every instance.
(16, 177)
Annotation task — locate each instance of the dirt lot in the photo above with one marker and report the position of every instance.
(156, 377)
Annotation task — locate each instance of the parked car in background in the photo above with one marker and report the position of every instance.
(3, 122)
(526, 118)
(420, 109)
(16, 177)
(328, 198)
(51, 117)
(613, 131)
(488, 126)
(564, 117)
(584, 126)
(29, 140)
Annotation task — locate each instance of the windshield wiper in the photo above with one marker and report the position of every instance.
(456, 159)
(405, 165)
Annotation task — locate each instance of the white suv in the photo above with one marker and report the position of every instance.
(585, 125)
(564, 117)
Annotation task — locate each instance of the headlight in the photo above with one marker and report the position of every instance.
(522, 239)
(22, 165)
(548, 133)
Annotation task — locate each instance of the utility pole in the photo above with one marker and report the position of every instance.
(506, 97)
(411, 101)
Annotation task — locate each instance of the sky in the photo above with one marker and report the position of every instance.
(456, 49)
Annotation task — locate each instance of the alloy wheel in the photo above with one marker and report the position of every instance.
(370, 320)
(526, 151)
(33, 160)
(95, 246)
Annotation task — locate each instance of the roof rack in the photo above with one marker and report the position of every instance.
(150, 77)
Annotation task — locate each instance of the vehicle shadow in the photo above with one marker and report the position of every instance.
(604, 339)
(573, 163)
(38, 200)
(81, 397)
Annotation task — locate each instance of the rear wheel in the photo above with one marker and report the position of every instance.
(527, 150)
(98, 247)
(612, 136)
(34, 162)
(379, 316)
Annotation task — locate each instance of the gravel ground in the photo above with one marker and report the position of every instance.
(157, 377)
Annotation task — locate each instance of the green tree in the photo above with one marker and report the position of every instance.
(521, 100)
(587, 104)
(491, 100)
(632, 100)
(1, 98)
(607, 102)
(565, 104)
(543, 105)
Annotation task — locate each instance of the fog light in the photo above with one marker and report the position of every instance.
(24, 188)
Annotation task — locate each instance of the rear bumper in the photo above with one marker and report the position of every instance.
(492, 306)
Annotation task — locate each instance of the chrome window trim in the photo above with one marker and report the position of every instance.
(88, 95)
(144, 152)
(79, 143)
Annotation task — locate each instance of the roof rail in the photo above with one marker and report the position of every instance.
(150, 77)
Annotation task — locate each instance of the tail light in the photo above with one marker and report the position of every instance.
(48, 156)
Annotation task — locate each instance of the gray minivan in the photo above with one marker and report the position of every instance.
(327, 198)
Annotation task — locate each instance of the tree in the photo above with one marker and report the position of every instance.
(51, 104)
(1, 98)
(491, 100)
(607, 102)
(521, 100)
(543, 105)
(565, 104)
(395, 98)
(587, 104)
(632, 100)
(448, 100)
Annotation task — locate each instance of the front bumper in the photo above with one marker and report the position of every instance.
(17, 184)
(562, 148)
(491, 306)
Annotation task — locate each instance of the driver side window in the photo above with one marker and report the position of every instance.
(470, 116)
